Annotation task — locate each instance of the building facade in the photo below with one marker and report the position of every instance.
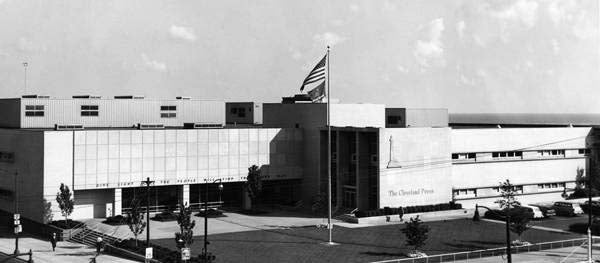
(104, 148)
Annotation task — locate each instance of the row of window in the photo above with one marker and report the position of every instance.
(472, 192)
(514, 155)
(93, 111)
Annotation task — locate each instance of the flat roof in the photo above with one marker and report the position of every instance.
(525, 119)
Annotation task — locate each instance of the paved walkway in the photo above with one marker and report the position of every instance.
(66, 252)
(559, 255)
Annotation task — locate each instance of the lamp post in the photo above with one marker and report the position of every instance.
(25, 64)
(206, 216)
(16, 218)
(147, 183)
(220, 191)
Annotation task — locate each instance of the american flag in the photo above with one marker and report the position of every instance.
(317, 74)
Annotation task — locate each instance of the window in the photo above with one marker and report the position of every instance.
(239, 111)
(551, 186)
(168, 111)
(509, 155)
(584, 151)
(552, 153)
(34, 110)
(394, 119)
(463, 156)
(89, 110)
(465, 192)
(7, 157)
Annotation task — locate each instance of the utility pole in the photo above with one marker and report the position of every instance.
(25, 64)
(206, 217)
(589, 230)
(16, 217)
(147, 183)
(508, 253)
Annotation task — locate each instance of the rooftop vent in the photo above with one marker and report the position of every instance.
(189, 125)
(35, 96)
(183, 98)
(150, 126)
(87, 97)
(63, 127)
(129, 97)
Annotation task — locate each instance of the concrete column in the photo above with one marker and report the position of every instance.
(118, 201)
(185, 197)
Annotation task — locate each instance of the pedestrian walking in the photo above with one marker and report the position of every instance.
(53, 241)
(98, 245)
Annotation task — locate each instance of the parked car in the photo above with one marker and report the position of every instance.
(567, 209)
(515, 213)
(537, 212)
(546, 210)
(595, 207)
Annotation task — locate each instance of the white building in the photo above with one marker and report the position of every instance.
(104, 148)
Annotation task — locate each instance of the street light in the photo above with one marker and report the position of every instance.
(147, 183)
(220, 191)
(206, 216)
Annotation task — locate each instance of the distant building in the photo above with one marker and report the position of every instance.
(104, 148)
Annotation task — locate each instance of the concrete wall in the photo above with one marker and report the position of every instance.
(11, 110)
(314, 115)
(511, 139)
(28, 149)
(252, 113)
(121, 112)
(414, 166)
(58, 166)
(426, 117)
(528, 171)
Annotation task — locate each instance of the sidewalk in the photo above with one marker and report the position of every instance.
(66, 252)
(559, 255)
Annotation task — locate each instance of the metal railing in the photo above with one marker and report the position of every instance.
(16, 257)
(162, 208)
(477, 254)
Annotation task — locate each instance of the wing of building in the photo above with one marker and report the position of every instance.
(381, 156)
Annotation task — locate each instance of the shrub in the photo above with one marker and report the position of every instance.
(64, 224)
(115, 220)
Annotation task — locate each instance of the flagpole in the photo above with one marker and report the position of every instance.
(329, 226)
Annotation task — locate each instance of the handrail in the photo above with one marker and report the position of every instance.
(482, 251)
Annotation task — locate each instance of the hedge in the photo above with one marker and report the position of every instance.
(408, 210)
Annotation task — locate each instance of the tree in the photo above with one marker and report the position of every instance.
(65, 202)
(47, 208)
(135, 219)
(416, 233)
(507, 195)
(186, 225)
(254, 184)
(506, 201)
(520, 225)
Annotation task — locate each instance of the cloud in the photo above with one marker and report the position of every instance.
(27, 45)
(402, 69)
(328, 39)
(555, 46)
(522, 11)
(568, 13)
(296, 55)
(153, 64)
(562, 10)
(181, 32)
(429, 52)
(460, 29)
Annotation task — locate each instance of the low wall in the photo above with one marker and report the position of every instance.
(425, 216)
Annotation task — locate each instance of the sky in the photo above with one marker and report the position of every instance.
(470, 56)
